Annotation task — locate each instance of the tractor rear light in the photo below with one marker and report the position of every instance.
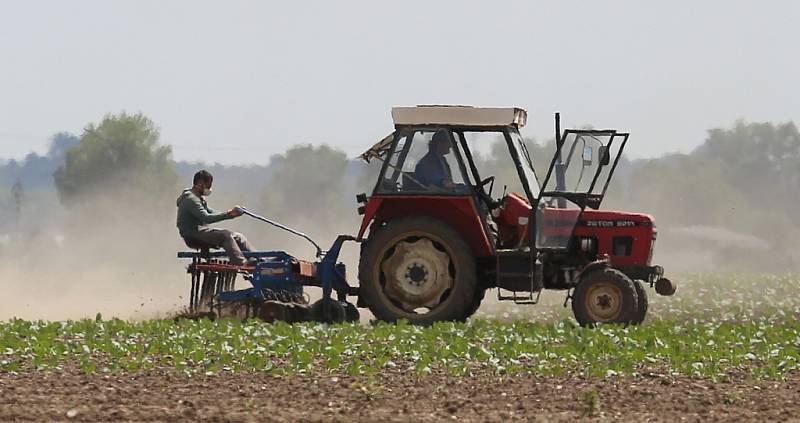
(272, 271)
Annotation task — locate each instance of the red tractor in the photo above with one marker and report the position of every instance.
(434, 239)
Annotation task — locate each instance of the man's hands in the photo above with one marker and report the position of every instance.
(235, 212)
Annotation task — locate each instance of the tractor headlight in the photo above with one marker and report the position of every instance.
(587, 244)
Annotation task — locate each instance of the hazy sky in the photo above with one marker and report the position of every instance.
(237, 81)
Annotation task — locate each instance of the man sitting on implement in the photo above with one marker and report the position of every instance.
(194, 216)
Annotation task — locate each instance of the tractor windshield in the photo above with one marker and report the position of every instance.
(584, 163)
(578, 178)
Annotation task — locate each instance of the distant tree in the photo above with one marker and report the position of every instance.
(763, 159)
(120, 154)
(59, 144)
(310, 182)
(36, 171)
(18, 194)
(761, 162)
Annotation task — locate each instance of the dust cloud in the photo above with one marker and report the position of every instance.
(105, 255)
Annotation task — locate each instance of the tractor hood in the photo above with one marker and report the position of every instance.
(618, 219)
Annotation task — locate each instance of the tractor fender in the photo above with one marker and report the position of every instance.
(372, 208)
(591, 267)
(460, 212)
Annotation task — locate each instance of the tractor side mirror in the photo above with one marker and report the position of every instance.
(605, 157)
(587, 156)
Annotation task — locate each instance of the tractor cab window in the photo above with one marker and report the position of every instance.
(490, 158)
(423, 161)
(494, 166)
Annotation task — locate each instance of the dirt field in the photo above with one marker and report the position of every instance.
(167, 396)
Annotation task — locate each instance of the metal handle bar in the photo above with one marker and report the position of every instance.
(285, 228)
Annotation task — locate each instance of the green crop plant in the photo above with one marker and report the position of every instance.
(738, 325)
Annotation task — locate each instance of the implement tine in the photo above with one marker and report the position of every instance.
(194, 282)
(208, 286)
(199, 289)
(231, 281)
(191, 290)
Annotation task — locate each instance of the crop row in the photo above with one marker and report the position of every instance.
(704, 349)
(716, 326)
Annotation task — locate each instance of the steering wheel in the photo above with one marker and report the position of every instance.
(486, 181)
(487, 197)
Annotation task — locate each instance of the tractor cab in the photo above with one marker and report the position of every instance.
(429, 167)
(430, 157)
(435, 237)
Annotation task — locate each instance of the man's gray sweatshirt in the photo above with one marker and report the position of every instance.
(194, 213)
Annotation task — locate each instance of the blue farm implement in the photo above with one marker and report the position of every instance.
(277, 281)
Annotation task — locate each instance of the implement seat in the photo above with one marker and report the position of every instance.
(202, 247)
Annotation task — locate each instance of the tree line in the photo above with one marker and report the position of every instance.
(743, 177)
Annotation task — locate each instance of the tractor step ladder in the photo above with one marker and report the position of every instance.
(532, 272)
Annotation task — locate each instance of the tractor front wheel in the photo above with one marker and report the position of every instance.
(418, 269)
(641, 303)
(605, 296)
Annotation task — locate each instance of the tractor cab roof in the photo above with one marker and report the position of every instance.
(444, 115)
(459, 116)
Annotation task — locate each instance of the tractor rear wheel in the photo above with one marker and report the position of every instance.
(641, 303)
(418, 269)
(604, 296)
(351, 313)
(477, 299)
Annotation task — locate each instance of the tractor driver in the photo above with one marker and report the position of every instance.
(432, 170)
(194, 216)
